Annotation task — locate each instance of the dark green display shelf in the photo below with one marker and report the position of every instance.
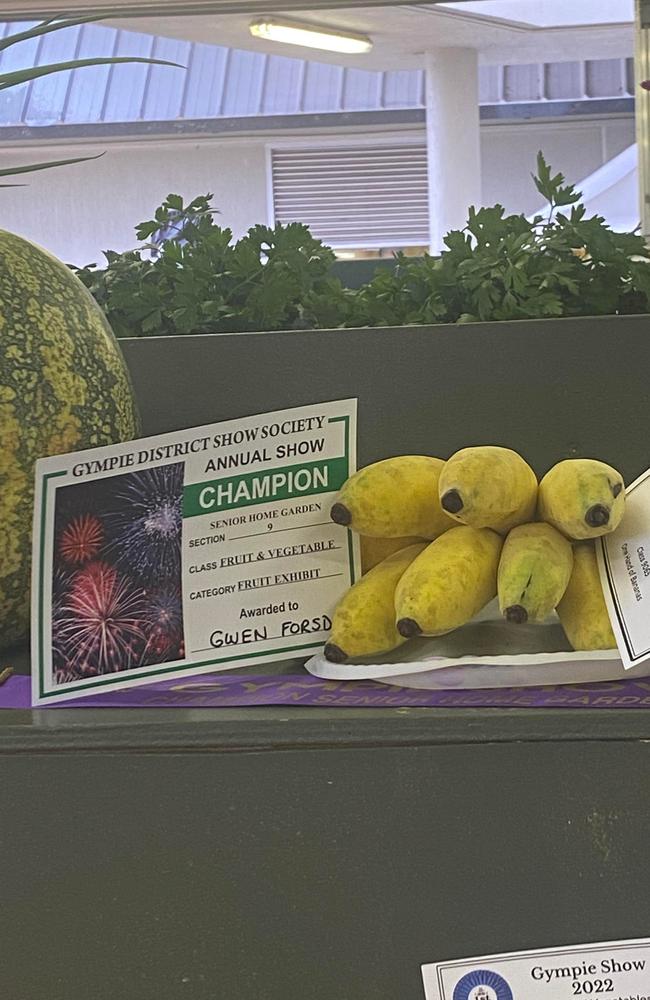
(324, 854)
(289, 853)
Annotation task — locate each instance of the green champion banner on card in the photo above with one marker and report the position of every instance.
(307, 479)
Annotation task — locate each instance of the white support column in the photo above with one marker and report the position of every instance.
(453, 143)
(642, 98)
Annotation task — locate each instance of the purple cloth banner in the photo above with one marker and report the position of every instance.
(219, 691)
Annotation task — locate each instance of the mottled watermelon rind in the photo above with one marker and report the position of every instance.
(64, 386)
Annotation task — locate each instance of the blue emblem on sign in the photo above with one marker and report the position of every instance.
(482, 984)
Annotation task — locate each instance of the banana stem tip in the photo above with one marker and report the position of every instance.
(597, 516)
(452, 502)
(341, 515)
(516, 614)
(408, 628)
(334, 653)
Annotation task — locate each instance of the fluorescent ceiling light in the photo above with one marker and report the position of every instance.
(309, 36)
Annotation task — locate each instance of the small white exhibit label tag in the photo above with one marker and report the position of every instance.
(624, 563)
(613, 970)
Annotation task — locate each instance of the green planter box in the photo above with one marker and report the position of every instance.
(549, 388)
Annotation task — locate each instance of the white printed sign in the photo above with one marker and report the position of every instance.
(624, 562)
(200, 550)
(614, 970)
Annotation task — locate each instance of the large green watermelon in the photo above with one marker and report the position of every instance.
(63, 387)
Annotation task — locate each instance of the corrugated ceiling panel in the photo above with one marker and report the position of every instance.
(362, 90)
(282, 86)
(605, 78)
(490, 84)
(47, 98)
(222, 82)
(126, 83)
(403, 89)
(165, 86)
(205, 84)
(563, 81)
(88, 86)
(323, 88)
(522, 83)
(244, 82)
(355, 196)
(12, 102)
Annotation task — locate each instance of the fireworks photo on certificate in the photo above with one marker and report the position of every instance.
(116, 587)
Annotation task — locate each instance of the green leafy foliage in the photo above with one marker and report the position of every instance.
(194, 279)
(198, 280)
(503, 267)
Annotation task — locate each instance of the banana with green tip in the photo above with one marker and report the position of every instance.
(488, 487)
(582, 498)
(392, 498)
(534, 571)
(582, 610)
(363, 623)
(449, 582)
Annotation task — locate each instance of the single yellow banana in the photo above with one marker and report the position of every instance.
(582, 610)
(449, 582)
(375, 550)
(534, 571)
(364, 620)
(393, 498)
(488, 487)
(582, 498)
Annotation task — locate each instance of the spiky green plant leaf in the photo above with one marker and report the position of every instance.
(12, 171)
(44, 28)
(18, 77)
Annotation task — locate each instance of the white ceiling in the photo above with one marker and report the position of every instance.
(550, 13)
(402, 34)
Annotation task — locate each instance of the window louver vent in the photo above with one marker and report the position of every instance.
(361, 196)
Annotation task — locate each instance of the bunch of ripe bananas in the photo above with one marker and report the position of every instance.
(440, 540)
